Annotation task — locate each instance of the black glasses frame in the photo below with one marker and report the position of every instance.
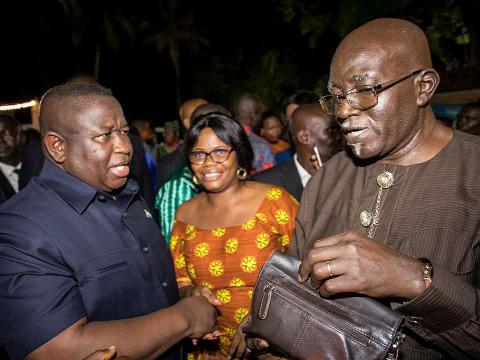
(207, 154)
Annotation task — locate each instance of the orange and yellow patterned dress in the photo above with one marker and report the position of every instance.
(228, 259)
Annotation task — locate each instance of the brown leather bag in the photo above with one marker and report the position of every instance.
(296, 320)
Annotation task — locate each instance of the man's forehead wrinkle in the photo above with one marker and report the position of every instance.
(97, 109)
(355, 62)
(354, 67)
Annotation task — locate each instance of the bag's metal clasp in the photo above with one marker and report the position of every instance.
(394, 351)
(265, 304)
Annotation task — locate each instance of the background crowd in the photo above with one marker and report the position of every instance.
(115, 232)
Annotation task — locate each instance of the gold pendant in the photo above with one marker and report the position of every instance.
(385, 180)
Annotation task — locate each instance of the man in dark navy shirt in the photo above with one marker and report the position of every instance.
(83, 265)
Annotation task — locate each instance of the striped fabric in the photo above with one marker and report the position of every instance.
(432, 211)
(178, 189)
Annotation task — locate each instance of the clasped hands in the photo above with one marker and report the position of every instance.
(238, 347)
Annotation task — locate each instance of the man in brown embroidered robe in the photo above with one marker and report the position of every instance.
(396, 217)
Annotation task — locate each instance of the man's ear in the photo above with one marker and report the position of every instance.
(428, 81)
(303, 136)
(55, 145)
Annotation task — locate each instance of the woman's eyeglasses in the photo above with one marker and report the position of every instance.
(218, 155)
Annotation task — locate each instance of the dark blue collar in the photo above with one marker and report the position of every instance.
(74, 191)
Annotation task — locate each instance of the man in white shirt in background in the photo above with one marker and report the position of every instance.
(10, 148)
(310, 126)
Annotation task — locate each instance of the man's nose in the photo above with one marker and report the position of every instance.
(122, 143)
(345, 111)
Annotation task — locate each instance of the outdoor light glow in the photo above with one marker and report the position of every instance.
(18, 106)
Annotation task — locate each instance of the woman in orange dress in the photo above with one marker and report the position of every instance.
(223, 236)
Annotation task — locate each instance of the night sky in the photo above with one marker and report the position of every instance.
(43, 44)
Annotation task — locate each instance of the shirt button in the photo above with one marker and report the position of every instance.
(145, 249)
(164, 284)
(102, 198)
(125, 215)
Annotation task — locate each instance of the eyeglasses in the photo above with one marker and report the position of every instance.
(218, 155)
(360, 98)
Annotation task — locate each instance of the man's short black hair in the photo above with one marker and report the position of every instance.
(228, 130)
(75, 90)
(69, 95)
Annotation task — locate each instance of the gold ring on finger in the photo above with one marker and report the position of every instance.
(330, 274)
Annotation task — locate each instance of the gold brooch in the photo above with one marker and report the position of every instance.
(366, 218)
(385, 179)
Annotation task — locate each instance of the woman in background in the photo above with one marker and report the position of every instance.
(271, 128)
(223, 236)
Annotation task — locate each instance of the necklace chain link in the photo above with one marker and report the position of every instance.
(384, 181)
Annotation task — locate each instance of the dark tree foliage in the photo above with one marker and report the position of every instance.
(157, 53)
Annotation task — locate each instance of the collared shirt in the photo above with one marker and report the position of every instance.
(263, 157)
(304, 174)
(11, 173)
(68, 251)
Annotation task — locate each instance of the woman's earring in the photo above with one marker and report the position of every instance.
(242, 174)
(195, 180)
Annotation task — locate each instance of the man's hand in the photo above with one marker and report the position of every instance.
(257, 344)
(106, 354)
(201, 290)
(238, 348)
(349, 262)
(201, 315)
(191, 290)
(259, 348)
(315, 163)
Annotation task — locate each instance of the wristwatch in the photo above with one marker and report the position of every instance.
(427, 272)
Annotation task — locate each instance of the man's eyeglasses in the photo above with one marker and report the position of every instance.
(218, 155)
(360, 98)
